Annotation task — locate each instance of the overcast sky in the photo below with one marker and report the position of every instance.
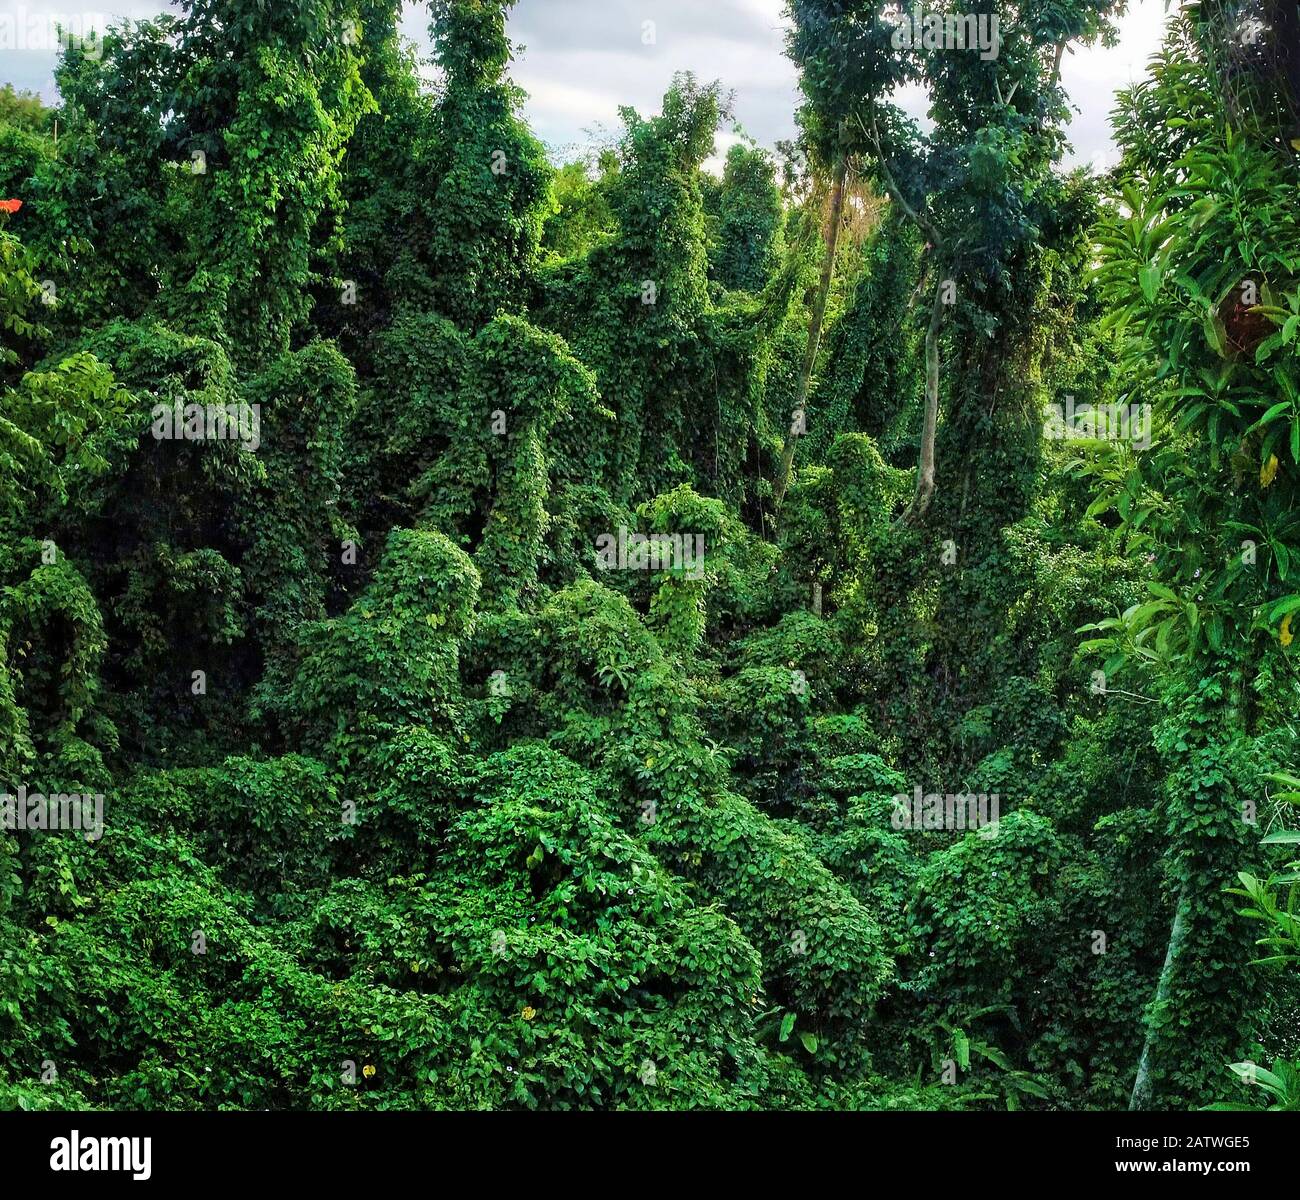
(581, 59)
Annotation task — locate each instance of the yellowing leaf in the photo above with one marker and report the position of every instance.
(1284, 635)
(1268, 472)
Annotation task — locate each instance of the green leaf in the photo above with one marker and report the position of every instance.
(961, 1048)
(1214, 333)
(994, 1055)
(1267, 346)
(1282, 607)
(1032, 1086)
(1271, 415)
(1149, 277)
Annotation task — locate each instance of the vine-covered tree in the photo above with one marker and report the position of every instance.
(542, 634)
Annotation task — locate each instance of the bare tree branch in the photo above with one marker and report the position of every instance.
(925, 469)
(833, 223)
(918, 218)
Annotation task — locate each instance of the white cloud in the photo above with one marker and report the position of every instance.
(582, 59)
(1092, 76)
(716, 163)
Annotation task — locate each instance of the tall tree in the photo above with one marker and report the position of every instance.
(1200, 268)
(493, 180)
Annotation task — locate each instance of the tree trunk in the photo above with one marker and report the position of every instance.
(814, 328)
(1141, 1096)
(930, 423)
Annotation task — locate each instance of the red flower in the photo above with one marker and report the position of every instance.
(10, 206)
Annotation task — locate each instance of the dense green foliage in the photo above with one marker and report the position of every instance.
(334, 421)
